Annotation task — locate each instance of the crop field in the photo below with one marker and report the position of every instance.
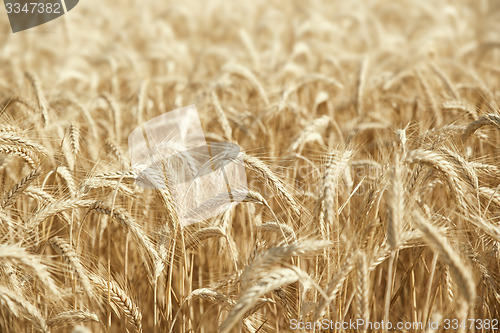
(369, 133)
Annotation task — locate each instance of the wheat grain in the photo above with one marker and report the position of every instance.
(461, 106)
(12, 138)
(208, 294)
(247, 74)
(115, 151)
(445, 80)
(334, 286)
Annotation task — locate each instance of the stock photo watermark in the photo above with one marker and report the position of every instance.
(169, 152)
(448, 324)
(27, 14)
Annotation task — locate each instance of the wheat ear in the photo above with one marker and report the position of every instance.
(336, 163)
(65, 250)
(362, 288)
(19, 305)
(489, 119)
(458, 267)
(271, 178)
(278, 254)
(221, 116)
(40, 98)
(121, 302)
(334, 286)
(20, 255)
(71, 317)
(205, 233)
(312, 132)
(396, 206)
(17, 190)
(21, 152)
(12, 138)
(74, 136)
(286, 232)
(129, 224)
(270, 282)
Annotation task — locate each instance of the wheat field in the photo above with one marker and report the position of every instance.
(370, 134)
